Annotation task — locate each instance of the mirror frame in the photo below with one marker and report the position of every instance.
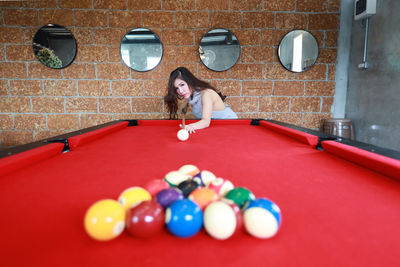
(160, 56)
(50, 52)
(282, 45)
(204, 57)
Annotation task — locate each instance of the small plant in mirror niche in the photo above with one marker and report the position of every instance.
(54, 46)
(47, 57)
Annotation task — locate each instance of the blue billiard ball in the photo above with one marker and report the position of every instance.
(184, 218)
(262, 218)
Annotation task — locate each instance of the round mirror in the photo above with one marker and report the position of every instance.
(219, 49)
(54, 46)
(141, 49)
(298, 51)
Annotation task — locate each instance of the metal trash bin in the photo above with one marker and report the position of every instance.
(339, 127)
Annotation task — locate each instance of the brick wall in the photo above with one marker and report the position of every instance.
(37, 102)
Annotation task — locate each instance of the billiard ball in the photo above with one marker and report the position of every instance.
(184, 218)
(262, 218)
(156, 185)
(167, 196)
(105, 220)
(132, 196)
(146, 219)
(237, 211)
(221, 186)
(183, 135)
(240, 196)
(187, 187)
(204, 178)
(203, 196)
(189, 169)
(220, 220)
(173, 178)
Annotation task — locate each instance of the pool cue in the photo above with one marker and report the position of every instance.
(184, 110)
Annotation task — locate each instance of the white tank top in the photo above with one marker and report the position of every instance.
(197, 109)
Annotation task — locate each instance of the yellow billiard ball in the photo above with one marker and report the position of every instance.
(133, 196)
(105, 220)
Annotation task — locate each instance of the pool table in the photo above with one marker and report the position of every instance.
(340, 203)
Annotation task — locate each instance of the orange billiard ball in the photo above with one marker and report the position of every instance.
(203, 196)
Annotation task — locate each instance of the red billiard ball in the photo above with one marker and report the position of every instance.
(221, 186)
(146, 219)
(155, 186)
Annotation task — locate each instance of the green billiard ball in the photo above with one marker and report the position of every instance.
(240, 196)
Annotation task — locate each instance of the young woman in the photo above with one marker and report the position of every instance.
(206, 102)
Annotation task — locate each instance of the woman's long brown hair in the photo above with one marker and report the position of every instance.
(171, 99)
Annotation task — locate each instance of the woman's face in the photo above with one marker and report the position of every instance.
(182, 88)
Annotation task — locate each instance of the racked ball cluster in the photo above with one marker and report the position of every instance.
(184, 201)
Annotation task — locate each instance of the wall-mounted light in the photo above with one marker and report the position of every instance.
(364, 9)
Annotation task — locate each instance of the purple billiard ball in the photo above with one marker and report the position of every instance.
(169, 195)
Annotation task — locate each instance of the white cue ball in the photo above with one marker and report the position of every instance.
(183, 135)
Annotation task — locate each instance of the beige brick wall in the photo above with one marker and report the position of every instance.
(37, 102)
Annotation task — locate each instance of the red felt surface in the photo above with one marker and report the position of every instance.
(335, 213)
(305, 138)
(21, 160)
(82, 139)
(382, 164)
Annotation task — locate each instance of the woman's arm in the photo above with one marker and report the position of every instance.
(207, 102)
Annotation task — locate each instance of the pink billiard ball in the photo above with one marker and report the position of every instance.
(156, 185)
(146, 219)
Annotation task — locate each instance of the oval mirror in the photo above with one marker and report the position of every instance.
(298, 51)
(219, 49)
(54, 46)
(141, 49)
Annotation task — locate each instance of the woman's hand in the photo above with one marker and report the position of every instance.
(189, 128)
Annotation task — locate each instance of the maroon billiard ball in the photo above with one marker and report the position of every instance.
(237, 211)
(145, 219)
